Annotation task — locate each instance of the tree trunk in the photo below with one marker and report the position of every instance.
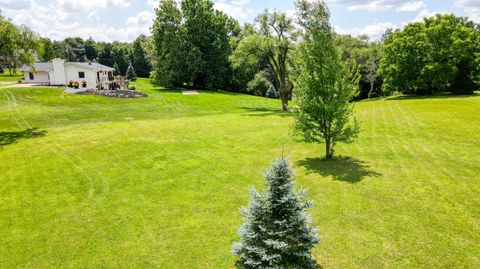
(328, 149)
(371, 90)
(284, 98)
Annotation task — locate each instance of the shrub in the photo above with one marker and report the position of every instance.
(272, 93)
(132, 87)
(277, 232)
(259, 85)
(84, 84)
(70, 84)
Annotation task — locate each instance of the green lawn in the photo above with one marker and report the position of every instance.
(157, 182)
(5, 77)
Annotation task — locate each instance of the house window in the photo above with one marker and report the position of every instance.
(81, 74)
(30, 74)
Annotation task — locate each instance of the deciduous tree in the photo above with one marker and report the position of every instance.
(324, 86)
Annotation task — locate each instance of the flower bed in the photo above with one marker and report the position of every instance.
(116, 94)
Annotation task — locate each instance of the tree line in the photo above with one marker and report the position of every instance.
(21, 46)
(192, 44)
(118, 55)
(440, 54)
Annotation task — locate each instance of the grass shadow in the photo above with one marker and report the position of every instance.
(341, 168)
(7, 138)
(433, 96)
(264, 112)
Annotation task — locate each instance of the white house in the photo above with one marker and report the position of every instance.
(59, 72)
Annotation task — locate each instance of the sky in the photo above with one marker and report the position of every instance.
(124, 20)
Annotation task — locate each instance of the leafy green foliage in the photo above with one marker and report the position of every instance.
(201, 37)
(259, 85)
(361, 54)
(17, 45)
(272, 43)
(436, 55)
(324, 86)
(139, 57)
(277, 232)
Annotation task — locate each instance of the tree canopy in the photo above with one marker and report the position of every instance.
(436, 55)
(18, 45)
(324, 85)
(192, 44)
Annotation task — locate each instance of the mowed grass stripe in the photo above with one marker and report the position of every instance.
(169, 173)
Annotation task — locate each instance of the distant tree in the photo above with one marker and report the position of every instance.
(272, 93)
(106, 55)
(363, 55)
(117, 70)
(47, 50)
(207, 29)
(435, 55)
(371, 74)
(259, 85)
(74, 49)
(277, 231)
(120, 54)
(244, 65)
(324, 86)
(131, 74)
(177, 64)
(273, 42)
(139, 58)
(90, 49)
(18, 45)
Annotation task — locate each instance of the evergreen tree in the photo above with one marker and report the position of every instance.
(90, 49)
(131, 74)
(139, 58)
(105, 56)
(272, 93)
(276, 233)
(117, 70)
(47, 49)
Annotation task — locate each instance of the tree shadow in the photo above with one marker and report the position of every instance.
(432, 96)
(7, 138)
(264, 112)
(341, 168)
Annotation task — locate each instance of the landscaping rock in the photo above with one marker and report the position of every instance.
(116, 94)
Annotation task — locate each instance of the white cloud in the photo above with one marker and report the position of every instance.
(153, 3)
(425, 13)
(15, 4)
(412, 6)
(67, 18)
(380, 5)
(471, 8)
(95, 5)
(234, 8)
(373, 31)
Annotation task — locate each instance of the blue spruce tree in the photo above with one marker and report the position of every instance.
(277, 232)
(272, 93)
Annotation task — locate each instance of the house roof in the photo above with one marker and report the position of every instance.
(38, 67)
(45, 67)
(95, 66)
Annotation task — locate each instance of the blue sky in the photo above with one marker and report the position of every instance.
(123, 20)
